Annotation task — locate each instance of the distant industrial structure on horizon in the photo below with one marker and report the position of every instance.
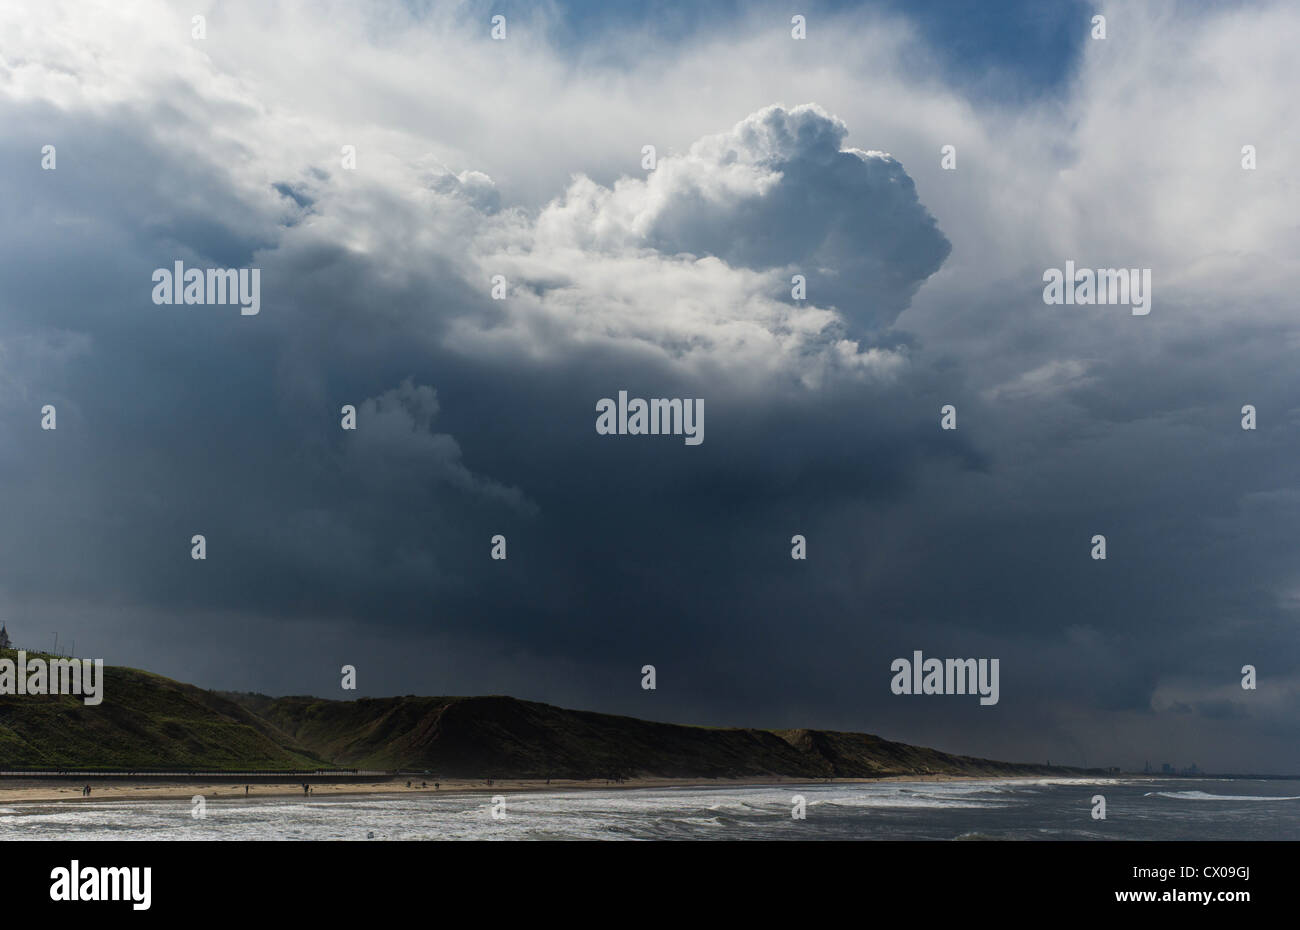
(1167, 768)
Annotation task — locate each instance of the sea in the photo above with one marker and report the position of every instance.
(992, 809)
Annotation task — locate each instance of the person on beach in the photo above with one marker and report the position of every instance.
(245, 790)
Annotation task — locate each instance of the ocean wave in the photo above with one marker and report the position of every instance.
(967, 810)
(900, 802)
(1206, 796)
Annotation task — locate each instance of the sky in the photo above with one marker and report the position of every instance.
(524, 158)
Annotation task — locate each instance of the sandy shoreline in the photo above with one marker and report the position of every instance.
(18, 791)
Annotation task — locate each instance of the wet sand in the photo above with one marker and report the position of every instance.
(42, 790)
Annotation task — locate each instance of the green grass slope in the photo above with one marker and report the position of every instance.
(145, 721)
(505, 737)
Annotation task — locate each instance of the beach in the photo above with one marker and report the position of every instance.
(935, 808)
(18, 790)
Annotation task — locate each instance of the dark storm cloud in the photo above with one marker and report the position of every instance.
(476, 417)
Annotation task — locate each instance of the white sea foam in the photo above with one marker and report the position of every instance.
(997, 809)
(1206, 796)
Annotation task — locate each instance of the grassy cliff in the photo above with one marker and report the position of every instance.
(147, 721)
(506, 737)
